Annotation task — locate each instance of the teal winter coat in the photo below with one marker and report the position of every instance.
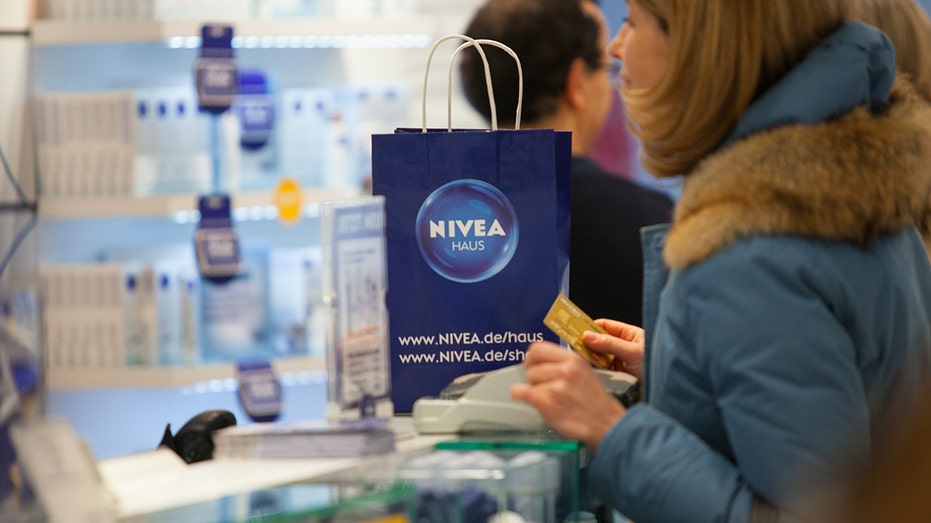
(788, 305)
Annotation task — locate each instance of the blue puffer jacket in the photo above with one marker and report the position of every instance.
(797, 303)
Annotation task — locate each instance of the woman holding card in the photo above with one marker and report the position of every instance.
(795, 311)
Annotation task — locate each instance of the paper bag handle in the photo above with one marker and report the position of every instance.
(477, 43)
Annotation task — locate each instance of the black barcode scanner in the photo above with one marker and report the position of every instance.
(194, 441)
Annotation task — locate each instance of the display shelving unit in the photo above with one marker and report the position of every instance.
(56, 32)
(120, 54)
(120, 411)
(18, 339)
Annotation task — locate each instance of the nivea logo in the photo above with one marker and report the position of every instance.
(467, 231)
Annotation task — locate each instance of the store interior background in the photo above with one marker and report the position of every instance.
(119, 412)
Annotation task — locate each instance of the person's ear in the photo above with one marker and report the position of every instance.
(575, 83)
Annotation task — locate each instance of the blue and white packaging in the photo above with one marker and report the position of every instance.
(375, 109)
(292, 295)
(234, 313)
(216, 244)
(172, 153)
(215, 71)
(255, 108)
(306, 142)
(259, 391)
(141, 316)
(168, 302)
(478, 248)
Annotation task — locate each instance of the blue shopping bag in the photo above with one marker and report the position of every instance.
(477, 231)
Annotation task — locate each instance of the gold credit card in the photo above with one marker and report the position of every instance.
(568, 321)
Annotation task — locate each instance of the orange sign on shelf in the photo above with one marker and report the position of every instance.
(288, 201)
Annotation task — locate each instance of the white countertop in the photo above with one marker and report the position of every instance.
(153, 481)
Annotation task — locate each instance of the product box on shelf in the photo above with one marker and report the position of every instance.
(148, 141)
(234, 320)
(172, 153)
(116, 314)
(84, 316)
(313, 130)
(148, 307)
(257, 113)
(145, 9)
(86, 142)
(295, 301)
(121, 142)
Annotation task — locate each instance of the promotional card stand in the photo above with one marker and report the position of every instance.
(355, 282)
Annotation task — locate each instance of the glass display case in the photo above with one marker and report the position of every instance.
(519, 478)
(299, 503)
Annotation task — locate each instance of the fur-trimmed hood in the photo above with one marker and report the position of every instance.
(847, 179)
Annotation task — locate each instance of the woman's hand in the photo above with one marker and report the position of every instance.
(567, 393)
(624, 341)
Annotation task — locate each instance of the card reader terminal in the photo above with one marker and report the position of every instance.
(481, 402)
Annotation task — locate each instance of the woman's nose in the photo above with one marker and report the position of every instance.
(616, 45)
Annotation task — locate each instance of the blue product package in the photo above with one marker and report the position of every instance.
(477, 226)
(234, 312)
(258, 135)
(215, 70)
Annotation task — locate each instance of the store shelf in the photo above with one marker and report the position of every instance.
(167, 377)
(103, 55)
(59, 32)
(166, 205)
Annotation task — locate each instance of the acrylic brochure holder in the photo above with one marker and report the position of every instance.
(355, 281)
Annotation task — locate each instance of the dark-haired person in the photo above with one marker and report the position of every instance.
(562, 45)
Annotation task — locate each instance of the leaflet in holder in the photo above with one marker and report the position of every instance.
(354, 287)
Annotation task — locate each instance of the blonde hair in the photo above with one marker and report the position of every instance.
(723, 54)
(909, 28)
